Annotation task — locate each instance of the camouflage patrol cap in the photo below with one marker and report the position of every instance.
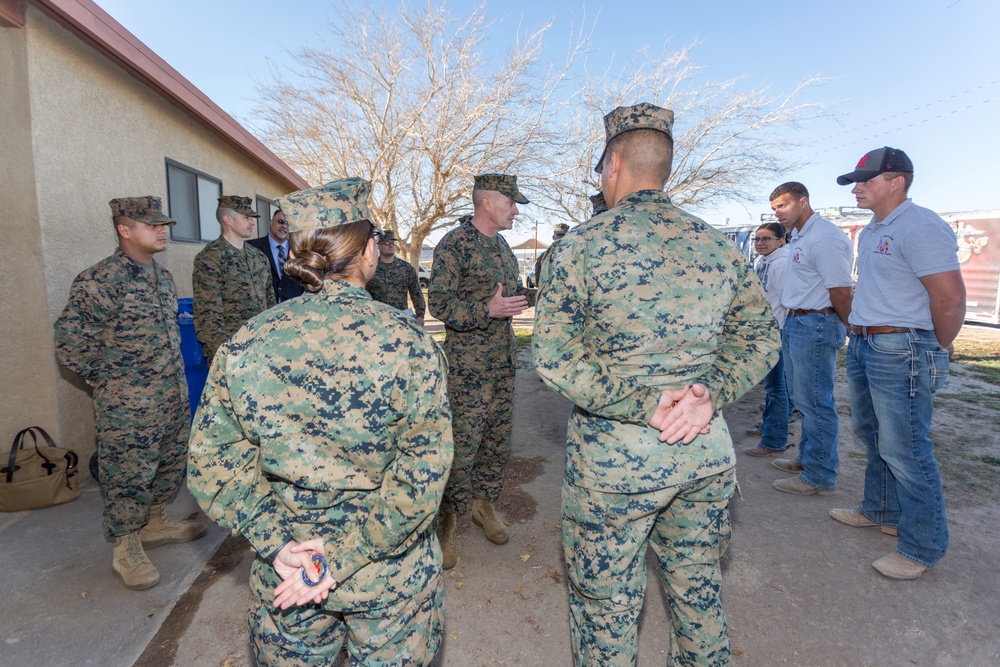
(330, 205)
(388, 236)
(560, 228)
(599, 203)
(505, 184)
(239, 204)
(148, 210)
(642, 116)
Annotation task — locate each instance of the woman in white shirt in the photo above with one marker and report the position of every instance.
(771, 266)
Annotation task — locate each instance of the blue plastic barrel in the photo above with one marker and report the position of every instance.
(195, 365)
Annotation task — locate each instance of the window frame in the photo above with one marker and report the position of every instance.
(264, 222)
(197, 173)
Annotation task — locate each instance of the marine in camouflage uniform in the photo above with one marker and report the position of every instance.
(232, 280)
(468, 266)
(599, 203)
(327, 417)
(396, 278)
(558, 231)
(646, 298)
(119, 332)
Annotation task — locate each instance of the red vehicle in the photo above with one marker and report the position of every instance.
(978, 235)
(979, 254)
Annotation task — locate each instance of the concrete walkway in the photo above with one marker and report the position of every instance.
(62, 604)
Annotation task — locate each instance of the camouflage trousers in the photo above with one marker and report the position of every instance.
(604, 543)
(406, 632)
(482, 408)
(142, 441)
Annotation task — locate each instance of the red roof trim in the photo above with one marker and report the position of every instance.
(11, 13)
(94, 25)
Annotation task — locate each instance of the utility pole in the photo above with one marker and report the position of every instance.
(534, 250)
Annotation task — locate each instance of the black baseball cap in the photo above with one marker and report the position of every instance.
(878, 161)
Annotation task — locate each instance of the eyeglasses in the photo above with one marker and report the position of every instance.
(762, 239)
(377, 235)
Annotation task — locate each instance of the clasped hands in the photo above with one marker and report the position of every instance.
(293, 562)
(683, 414)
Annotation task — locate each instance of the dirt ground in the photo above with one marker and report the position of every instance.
(798, 587)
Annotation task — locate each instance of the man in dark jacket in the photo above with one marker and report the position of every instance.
(275, 248)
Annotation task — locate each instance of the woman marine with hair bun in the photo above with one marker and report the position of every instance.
(324, 437)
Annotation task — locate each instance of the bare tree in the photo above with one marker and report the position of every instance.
(727, 139)
(412, 101)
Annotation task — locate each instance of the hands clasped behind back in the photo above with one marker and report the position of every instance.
(683, 414)
(291, 562)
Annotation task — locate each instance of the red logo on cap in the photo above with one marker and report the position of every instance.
(862, 161)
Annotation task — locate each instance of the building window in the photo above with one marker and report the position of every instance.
(192, 197)
(266, 209)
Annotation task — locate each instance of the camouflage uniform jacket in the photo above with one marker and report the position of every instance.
(542, 262)
(230, 287)
(393, 281)
(119, 328)
(328, 417)
(643, 298)
(467, 267)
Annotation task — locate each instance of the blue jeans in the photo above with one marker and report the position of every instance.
(809, 345)
(891, 379)
(775, 423)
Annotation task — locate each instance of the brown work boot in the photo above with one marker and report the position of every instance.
(447, 526)
(855, 518)
(850, 517)
(131, 564)
(898, 567)
(787, 465)
(160, 530)
(796, 486)
(484, 517)
(757, 450)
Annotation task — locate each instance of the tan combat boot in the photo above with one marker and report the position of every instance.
(447, 526)
(131, 564)
(484, 517)
(160, 530)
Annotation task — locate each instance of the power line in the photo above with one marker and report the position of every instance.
(907, 126)
(915, 109)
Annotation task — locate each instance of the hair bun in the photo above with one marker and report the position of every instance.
(309, 268)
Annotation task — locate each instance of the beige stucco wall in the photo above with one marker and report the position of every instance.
(91, 132)
(26, 370)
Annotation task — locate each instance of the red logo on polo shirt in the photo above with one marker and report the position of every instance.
(883, 246)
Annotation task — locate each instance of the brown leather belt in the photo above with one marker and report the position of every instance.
(874, 331)
(806, 311)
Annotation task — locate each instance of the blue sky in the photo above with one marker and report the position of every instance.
(923, 75)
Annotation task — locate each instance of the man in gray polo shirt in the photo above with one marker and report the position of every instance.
(908, 308)
(818, 298)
